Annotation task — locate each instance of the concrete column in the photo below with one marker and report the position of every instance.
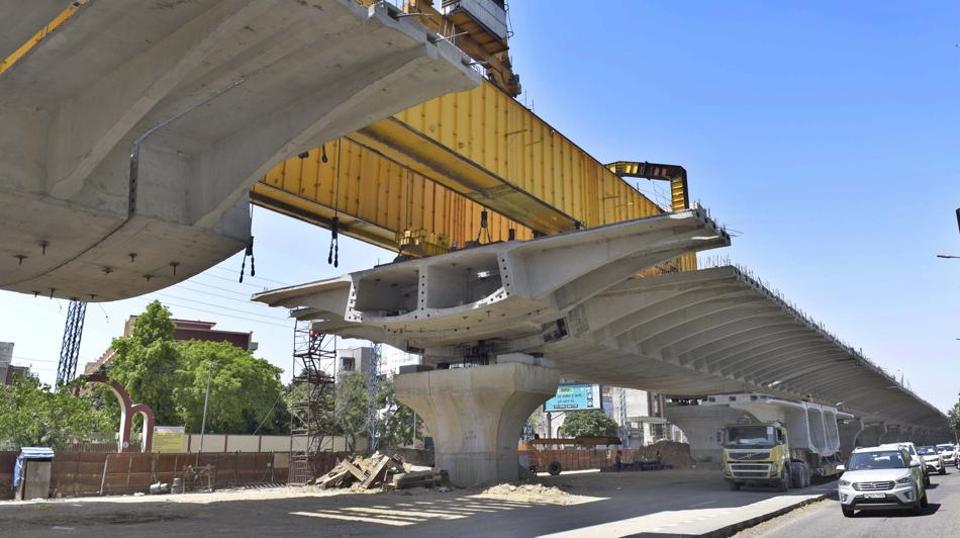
(476, 415)
(849, 432)
(871, 435)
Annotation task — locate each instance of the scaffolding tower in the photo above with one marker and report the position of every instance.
(70, 346)
(312, 416)
(373, 406)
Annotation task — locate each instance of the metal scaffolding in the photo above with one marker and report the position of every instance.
(312, 416)
(70, 347)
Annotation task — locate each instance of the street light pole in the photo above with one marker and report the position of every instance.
(203, 422)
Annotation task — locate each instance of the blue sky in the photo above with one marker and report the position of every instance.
(824, 134)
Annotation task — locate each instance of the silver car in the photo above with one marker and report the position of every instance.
(882, 478)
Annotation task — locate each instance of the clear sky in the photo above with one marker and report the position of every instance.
(823, 134)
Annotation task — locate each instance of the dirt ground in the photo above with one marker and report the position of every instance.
(545, 505)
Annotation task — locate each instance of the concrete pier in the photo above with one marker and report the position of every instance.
(476, 415)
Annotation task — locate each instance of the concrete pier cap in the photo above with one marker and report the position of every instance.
(476, 415)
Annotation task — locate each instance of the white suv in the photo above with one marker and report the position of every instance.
(881, 478)
(932, 459)
(949, 453)
(912, 450)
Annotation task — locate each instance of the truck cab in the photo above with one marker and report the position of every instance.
(759, 455)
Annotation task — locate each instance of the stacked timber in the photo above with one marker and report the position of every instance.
(361, 473)
(379, 471)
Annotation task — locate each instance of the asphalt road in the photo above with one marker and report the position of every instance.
(941, 518)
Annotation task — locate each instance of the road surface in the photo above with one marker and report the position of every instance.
(663, 503)
(941, 518)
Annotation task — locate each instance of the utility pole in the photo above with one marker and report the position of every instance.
(203, 422)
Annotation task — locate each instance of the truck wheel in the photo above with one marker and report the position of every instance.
(926, 480)
(554, 468)
(847, 512)
(943, 470)
(735, 486)
(784, 484)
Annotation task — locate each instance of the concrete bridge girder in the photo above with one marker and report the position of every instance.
(130, 135)
(766, 348)
(796, 376)
(787, 366)
(677, 306)
(748, 338)
(802, 346)
(739, 340)
(734, 331)
(620, 304)
(667, 331)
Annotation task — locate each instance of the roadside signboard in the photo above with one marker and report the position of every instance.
(574, 397)
(170, 439)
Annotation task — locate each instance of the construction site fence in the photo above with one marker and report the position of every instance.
(675, 455)
(76, 474)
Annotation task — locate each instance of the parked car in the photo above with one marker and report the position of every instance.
(914, 457)
(949, 453)
(882, 478)
(932, 459)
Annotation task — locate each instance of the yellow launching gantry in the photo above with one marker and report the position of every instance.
(461, 168)
(422, 181)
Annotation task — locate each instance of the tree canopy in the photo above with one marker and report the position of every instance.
(954, 417)
(587, 424)
(32, 414)
(171, 377)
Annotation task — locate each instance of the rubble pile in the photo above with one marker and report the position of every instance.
(378, 471)
(669, 453)
(528, 493)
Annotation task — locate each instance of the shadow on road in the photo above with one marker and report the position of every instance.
(931, 509)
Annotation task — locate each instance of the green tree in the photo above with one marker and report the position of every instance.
(954, 418)
(171, 377)
(397, 420)
(351, 407)
(587, 424)
(32, 414)
(147, 364)
(244, 390)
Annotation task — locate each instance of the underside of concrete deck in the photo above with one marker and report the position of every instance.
(130, 135)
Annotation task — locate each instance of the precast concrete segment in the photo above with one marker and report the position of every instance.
(130, 136)
(831, 372)
(503, 293)
(476, 415)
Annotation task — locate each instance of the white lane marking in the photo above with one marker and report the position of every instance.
(704, 503)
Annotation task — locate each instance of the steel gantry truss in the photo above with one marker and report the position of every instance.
(70, 347)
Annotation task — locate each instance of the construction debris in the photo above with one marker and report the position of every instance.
(528, 493)
(378, 471)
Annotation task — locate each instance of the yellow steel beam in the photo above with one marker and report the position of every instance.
(377, 200)
(28, 45)
(676, 175)
(489, 147)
